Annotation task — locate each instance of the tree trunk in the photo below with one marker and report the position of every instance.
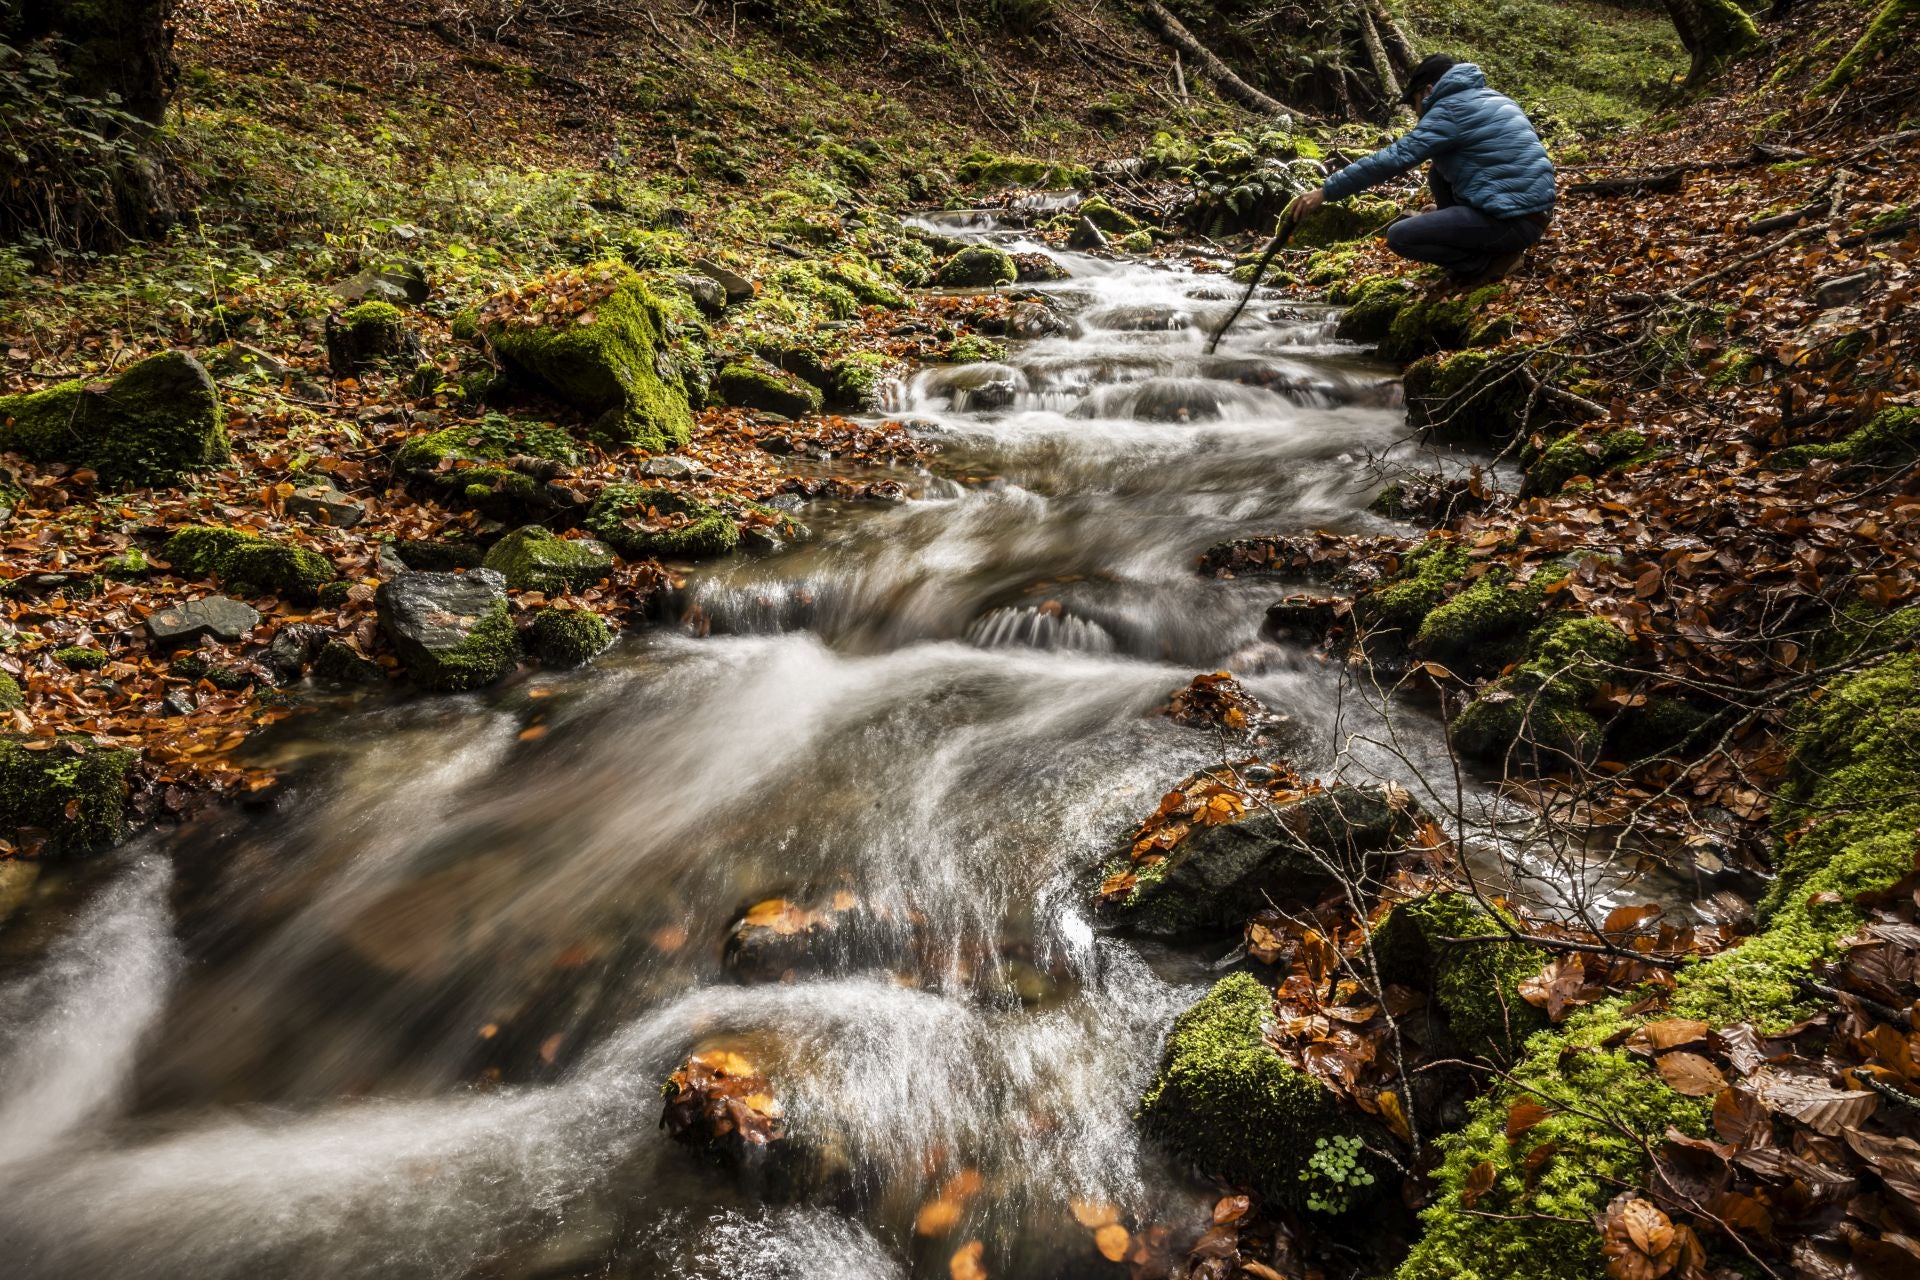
(1175, 34)
(114, 48)
(1711, 31)
(1377, 55)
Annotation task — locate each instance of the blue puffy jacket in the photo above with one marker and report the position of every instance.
(1479, 141)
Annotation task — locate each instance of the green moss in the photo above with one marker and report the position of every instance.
(334, 594)
(1475, 985)
(1429, 324)
(1468, 397)
(1893, 29)
(978, 266)
(987, 169)
(80, 659)
(247, 563)
(467, 461)
(131, 563)
(638, 522)
(567, 637)
(1332, 224)
(1541, 704)
(755, 384)
(1112, 221)
(487, 653)
(1329, 266)
(1135, 242)
(606, 361)
(972, 349)
(1575, 455)
(159, 420)
(1423, 581)
(11, 697)
(1483, 626)
(192, 666)
(858, 381)
(75, 794)
(1372, 304)
(1891, 438)
(1227, 1102)
(537, 559)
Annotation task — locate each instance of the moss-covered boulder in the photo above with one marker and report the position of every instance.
(596, 339)
(485, 464)
(640, 521)
(1475, 985)
(365, 334)
(1371, 304)
(860, 380)
(1447, 322)
(1540, 707)
(978, 266)
(1289, 851)
(63, 798)
(1579, 454)
(1426, 577)
(1484, 625)
(1226, 1101)
(11, 696)
(1891, 438)
(451, 630)
(1333, 224)
(1470, 397)
(156, 422)
(248, 563)
(756, 384)
(567, 637)
(1111, 221)
(533, 558)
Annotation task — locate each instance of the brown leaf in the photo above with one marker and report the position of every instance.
(1690, 1074)
(1668, 1033)
(1112, 1241)
(1523, 1115)
(1815, 1103)
(1479, 1182)
(965, 1263)
(1231, 1208)
(1741, 1120)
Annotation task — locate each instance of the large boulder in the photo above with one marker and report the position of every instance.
(978, 266)
(62, 798)
(596, 339)
(154, 423)
(1213, 855)
(1225, 1100)
(533, 558)
(451, 630)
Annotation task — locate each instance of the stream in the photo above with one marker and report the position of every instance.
(412, 1020)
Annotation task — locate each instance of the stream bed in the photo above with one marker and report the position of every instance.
(413, 1020)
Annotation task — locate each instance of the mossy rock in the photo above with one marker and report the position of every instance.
(1425, 579)
(1111, 221)
(1428, 324)
(756, 384)
(567, 637)
(247, 563)
(1226, 1101)
(12, 698)
(1575, 455)
(156, 422)
(1469, 397)
(452, 631)
(467, 463)
(611, 361)
(533, 558)
(988, 169)
(365, 334)
(1339, 223)
(1219, 875)
(1474, 985)
(193, 666)
(78, 658)
(859, 381)
(978, 266)
(1891, 438)
(971, 348)
(1484, 626)
(1539, 707)
(639, 521)
(74, 793)
(1661, 725)
(1372, 305)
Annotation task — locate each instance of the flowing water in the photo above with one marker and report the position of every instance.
(413, 1021)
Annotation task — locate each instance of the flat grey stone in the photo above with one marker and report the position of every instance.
(738, 287)
(324, 504)
(215, 616)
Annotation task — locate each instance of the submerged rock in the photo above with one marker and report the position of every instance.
(1210, 868)
(778, 939)
(721, 1103)
(451, 630)
(1225, 1100)
(154, 423)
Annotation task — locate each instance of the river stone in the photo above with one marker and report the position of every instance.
(707, 293)
(533, 558)
(737, 286)
(324, 504)
(978, 266)
(780, 939)
(293, 646)
(215, 616)
(672, 466)
(1218, 876)
(451, 630)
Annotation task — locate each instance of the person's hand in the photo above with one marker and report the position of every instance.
(1305, 203)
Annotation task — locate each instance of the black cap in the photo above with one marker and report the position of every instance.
(1431, 68)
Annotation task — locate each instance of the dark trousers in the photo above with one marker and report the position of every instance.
(1460, 240)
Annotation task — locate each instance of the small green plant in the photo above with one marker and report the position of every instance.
(1334, 1173)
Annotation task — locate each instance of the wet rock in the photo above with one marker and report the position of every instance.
(1288, 847)
(721, 1103)
(780, 939)
(1139, 318)
(756, 384)
(639, 521)
(980, 387)
(1035, 320)
(340, 662)
(738, 288)
(1228, 1102)
(293, 647)
(1086, 237)
(324, 504)
(67, 799)
(215, 616)
(451, 630)
(978, 266)
(1038, 268)
(1307, 620)
(532, 558)
(397, 284)
(154, 423)
(567, 637)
